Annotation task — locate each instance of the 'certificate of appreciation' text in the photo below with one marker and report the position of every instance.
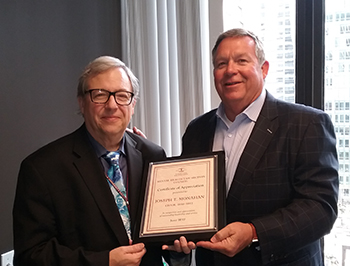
(180, 197)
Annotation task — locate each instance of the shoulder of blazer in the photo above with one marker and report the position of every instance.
(76, 142)
(203, 120)
(285, 110)
(205, 123)
(142, 144)
(199, 134)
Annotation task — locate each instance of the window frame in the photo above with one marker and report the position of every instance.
(309, 67)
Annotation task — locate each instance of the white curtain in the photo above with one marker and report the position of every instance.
(166, 44)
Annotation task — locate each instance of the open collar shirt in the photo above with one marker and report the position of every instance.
(232, 137)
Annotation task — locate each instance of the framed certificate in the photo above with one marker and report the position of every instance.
(183, 196)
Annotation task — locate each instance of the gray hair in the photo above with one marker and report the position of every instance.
(100, 65)
(259, 47)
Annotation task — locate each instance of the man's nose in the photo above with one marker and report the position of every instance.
(231, 67)
(111, 103)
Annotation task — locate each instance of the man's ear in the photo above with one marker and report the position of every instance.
(265, 68)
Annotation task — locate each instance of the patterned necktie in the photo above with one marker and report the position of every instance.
(115, 175)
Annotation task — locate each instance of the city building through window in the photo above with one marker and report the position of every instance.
(274, 22)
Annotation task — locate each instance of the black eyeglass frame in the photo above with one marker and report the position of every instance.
(109, 96)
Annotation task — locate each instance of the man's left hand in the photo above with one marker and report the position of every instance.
(230, 240)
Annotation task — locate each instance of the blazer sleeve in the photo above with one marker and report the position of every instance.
(36, 230)
(314, 183)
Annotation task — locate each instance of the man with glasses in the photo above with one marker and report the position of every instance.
(67, 207)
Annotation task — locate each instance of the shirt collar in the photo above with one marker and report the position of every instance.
(100, 150)
(252, 111)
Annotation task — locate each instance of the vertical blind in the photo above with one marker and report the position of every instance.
(166, 44)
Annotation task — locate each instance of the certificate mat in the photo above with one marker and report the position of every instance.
(183, 196)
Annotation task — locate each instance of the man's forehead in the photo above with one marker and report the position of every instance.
(238, 39)
(226, 50)
(124, 76)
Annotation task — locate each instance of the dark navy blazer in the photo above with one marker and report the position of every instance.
(64, 212)
(286, 184)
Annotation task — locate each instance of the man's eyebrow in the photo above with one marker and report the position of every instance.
(231, 56)
(220, 58)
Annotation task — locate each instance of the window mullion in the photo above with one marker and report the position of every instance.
(310, 52)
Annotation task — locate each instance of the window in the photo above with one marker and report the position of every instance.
(289, 80)
(260, 17)
(289, 64)
(289, 72)
(289, 90)
(337, 41)
(329, 56)
(328, 106)
(334, 98)
(346, 192)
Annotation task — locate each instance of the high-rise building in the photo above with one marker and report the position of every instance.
(337, 105)
(274, 22)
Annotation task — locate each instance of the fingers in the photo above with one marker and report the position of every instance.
(171, 247)
(139, 132)
(185, 246)
(224, 233)
(206, 244)
(181, 245)
(230, 240)
(224, 247)
(137, 248)
(136, 131)
(129, 130)
(127, 255)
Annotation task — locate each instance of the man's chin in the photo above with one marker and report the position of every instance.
(113, 130)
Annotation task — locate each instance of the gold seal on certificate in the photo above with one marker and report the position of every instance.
(183, 196)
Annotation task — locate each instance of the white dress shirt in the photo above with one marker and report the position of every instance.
(232, 137)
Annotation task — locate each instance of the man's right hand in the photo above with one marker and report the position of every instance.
(127, 255)
(181, 245)
(138, 132)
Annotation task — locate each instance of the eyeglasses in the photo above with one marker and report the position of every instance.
(101, 96)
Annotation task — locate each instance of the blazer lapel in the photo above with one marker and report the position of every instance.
(207, 136)
(90, 169)
(135, 167)
(262, 133)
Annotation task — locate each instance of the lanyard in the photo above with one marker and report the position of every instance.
(119, 192)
